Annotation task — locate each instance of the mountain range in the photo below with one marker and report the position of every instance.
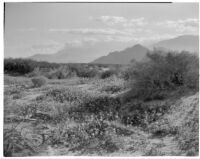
(180, 43)
(137, 52)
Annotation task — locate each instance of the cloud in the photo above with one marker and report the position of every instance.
(137, 22)
(183, 25)
(91, 31)
(26, 29)
(110, 20)
(47, 47)
(102, 31)
(121, 21)
(91, 36)
(81, 42)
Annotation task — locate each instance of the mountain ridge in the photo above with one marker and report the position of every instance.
(180, 43)
(123, 56)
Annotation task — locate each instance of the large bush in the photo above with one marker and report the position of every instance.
(142, 114)
(62, 72)
(88, 73)
(163, 72)
(39, 81)
(107, 74)
(162, 76)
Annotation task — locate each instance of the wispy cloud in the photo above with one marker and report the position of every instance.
(81, 42)
(26, 29)
(121, 21)
(91, 31)
(182, 25)
(46, 47)
(110, 20)
(92, 35)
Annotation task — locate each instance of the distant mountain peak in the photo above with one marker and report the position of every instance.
(136, 52)
(138, 46)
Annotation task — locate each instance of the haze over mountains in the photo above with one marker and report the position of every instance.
(186, 42)
(136, 52)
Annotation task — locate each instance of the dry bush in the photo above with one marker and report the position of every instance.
(111, 89)
(107, 74)
(39, 81)
(142, 114)
(71, 95)
(163, 73)
(15, 143)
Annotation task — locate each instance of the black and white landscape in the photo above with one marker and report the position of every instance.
(101, 79)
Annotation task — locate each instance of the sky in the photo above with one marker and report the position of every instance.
(46, 28)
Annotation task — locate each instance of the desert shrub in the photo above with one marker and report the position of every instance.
(102, 107)
(162, 127)
(162, 73)
(36, 72)
(90, 137)
(17, 96)
(188, 135)
(59, 111)
(62, 72)
(142, 114)
(71, 95)
(127, 74)
(111, 89)
(87, 73)
(107, 74)
(101, 104)
(39, 81)
(28, 110)
(153, 151)
(14, 143)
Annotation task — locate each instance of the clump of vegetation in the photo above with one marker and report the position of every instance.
(71, 95)
(188, 132)
(101, 104)
(161, 77)
(111, 89)
(86, 72)
(107, 74)
(163, 73)
(142, 114)
(62, 72)
(95, 117)
(36, 72)
(162, 127)
(127, 74)
(39, 81)
(90, 137)
(15, 143)
(20, 66)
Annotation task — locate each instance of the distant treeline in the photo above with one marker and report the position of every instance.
(23, 66)
(19, 66)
